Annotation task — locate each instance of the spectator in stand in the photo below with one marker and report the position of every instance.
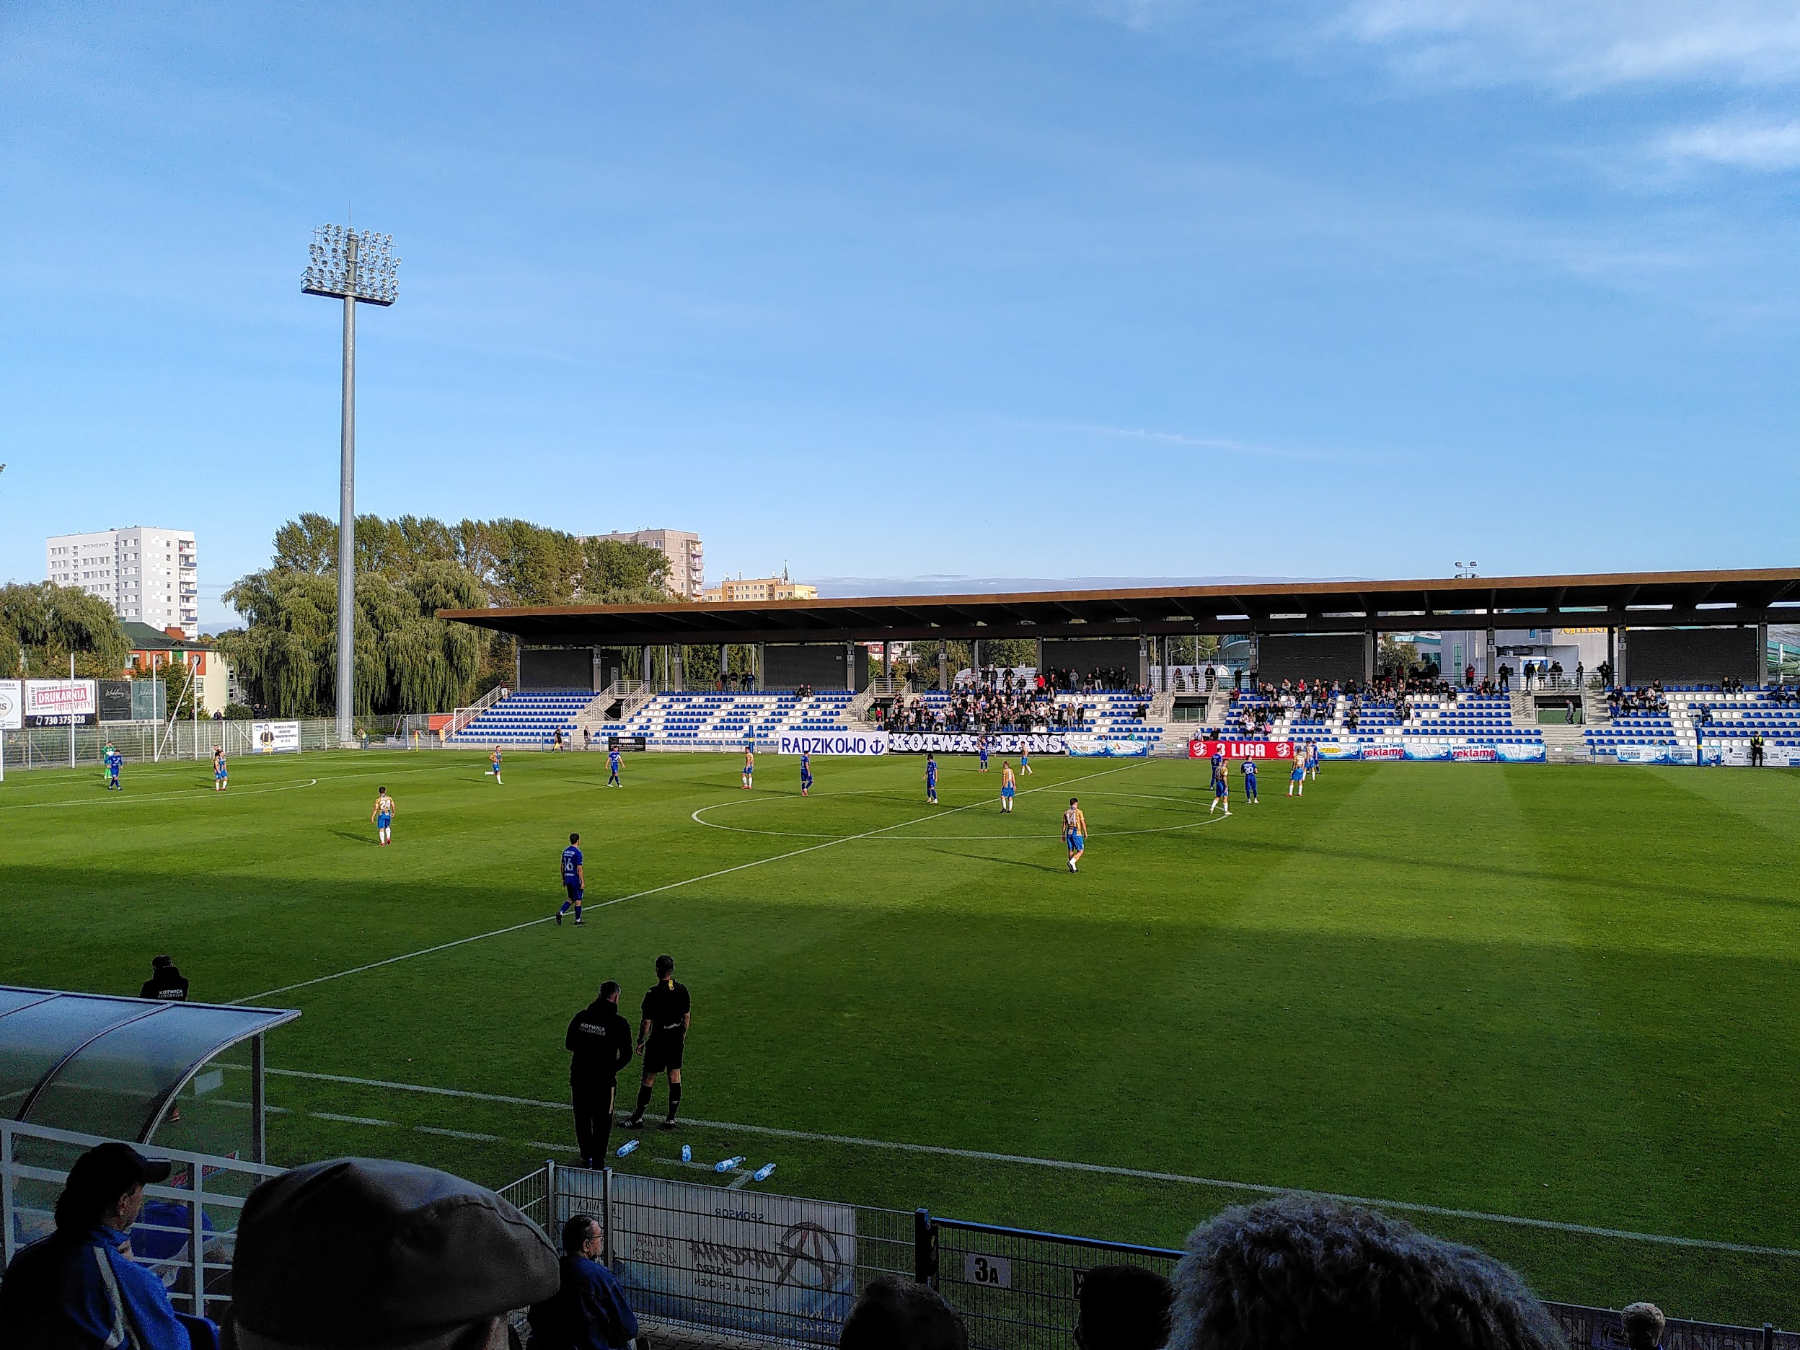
(1644, 1323)
(589, 1310)
(370, 1253)
(1301, 1271)
(1505, 678)
(1123, 1308)
(81, 1286)
(895, 1314)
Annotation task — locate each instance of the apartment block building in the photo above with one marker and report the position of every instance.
(759, 588)
(148, 575)
(687, 558)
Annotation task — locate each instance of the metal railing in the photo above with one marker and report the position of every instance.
(461, 717)
(186, 1233)
(706, 1261)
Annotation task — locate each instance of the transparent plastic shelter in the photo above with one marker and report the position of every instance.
(136, 1069)
(182, 1081)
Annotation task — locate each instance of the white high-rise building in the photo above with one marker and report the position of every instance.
(683, 549)
(145, 574)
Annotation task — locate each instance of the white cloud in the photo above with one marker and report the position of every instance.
(1764, 147)
(1577, 46)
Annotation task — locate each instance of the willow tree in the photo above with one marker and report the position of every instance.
(43, 624)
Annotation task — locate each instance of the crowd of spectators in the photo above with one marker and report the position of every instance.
(1648, 698)
(976, 710)
(363, 1252)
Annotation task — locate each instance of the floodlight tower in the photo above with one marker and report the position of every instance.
(357, 268)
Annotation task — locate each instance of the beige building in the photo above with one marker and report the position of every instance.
(687, 558)
(759, 588)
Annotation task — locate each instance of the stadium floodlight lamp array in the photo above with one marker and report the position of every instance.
(359, 268)
(352, 265)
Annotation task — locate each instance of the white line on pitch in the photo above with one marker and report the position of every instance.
(1058, 1164)
(654, 890)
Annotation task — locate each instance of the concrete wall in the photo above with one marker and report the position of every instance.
(818, 664)
(1691, 655)
(1327, 656)
(556, 668)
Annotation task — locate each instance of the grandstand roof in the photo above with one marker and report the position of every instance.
(1635, 599)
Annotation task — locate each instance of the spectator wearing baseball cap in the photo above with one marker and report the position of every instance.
(365, 1254)
(80, 1286)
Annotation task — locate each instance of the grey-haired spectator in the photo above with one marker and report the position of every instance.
(589, 1311)
(81, 1285)
(367, 1254)
(1644, 1323)
(1123, 1308)
(1302, 1272)
(897, 1314)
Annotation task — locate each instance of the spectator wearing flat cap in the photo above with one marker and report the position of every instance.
(80, 1288)
(365, 1254)
(589, 1311)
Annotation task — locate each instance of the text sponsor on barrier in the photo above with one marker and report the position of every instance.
(61, 703)
(1199, 749)
(831, 743)
(271, 738)
(1092, 747)
(627, 743)
(939, 743)
(12, 705)
(762, 1265)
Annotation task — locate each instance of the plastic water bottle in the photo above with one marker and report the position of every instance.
(764, 1172)
(726, 1164)
(687, 1154)
(628, 1146)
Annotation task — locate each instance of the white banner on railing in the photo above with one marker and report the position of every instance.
(12, 705)
(762, 1265)
(61, 703)
(271, 738)
(831, 743)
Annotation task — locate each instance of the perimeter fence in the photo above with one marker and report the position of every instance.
(705, 1265)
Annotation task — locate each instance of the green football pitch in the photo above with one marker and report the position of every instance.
(1550, 1011)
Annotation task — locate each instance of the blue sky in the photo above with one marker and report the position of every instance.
(1105, 287)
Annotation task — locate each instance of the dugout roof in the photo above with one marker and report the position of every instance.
(1637, 600)
(112, 1066)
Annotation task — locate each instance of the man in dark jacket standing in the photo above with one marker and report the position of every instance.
(166, 980)
(589, 1311)
(599, 1045)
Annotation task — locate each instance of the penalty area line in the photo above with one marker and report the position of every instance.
(639, 895)
(1053, 1164)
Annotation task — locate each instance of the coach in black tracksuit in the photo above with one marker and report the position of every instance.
(599, 1045)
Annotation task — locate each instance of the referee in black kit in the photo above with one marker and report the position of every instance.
(661, 1038)
(599, 1044)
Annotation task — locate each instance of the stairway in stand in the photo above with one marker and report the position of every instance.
(1563, 743)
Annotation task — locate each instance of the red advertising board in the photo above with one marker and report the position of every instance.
(1199, 749)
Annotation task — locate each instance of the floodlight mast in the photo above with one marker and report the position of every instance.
(357, 268)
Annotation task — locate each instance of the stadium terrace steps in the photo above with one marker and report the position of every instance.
(527, 718)
(1564, 743)
(713, 720)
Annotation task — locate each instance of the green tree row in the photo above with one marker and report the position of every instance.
(42, 624)
(406, 659)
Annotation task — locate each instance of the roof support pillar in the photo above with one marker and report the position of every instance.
(1621, 656)
(1492, 667)
(1369, 644)
(887, 663)
(850, 665)
(1143, 659)
(944, 665)
(760, 655)
(677, 676)
(1762, 653)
